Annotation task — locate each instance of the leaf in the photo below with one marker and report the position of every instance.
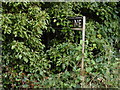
(87, 41)
(25, 86)
(54, 20)
(78, 58)
(20, 56)
(21, 67)
(18, 79)
(89, 69)
(40, 31)
(13, 46)
(58, 24)
(63, 66)
(81, 42)
(93, 62)
(79, 48)
(25, 59)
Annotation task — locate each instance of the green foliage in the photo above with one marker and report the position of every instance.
(22, 46)
(64, 56)
(38, 52)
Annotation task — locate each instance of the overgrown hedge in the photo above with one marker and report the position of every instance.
(36, 54)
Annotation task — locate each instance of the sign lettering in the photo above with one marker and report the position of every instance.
(77, 23)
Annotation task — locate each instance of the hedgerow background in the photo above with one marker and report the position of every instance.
(36, 53)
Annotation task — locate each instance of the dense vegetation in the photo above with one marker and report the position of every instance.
(38, 54)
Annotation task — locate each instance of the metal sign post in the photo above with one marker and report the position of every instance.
(79, 24)
(83, 49)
